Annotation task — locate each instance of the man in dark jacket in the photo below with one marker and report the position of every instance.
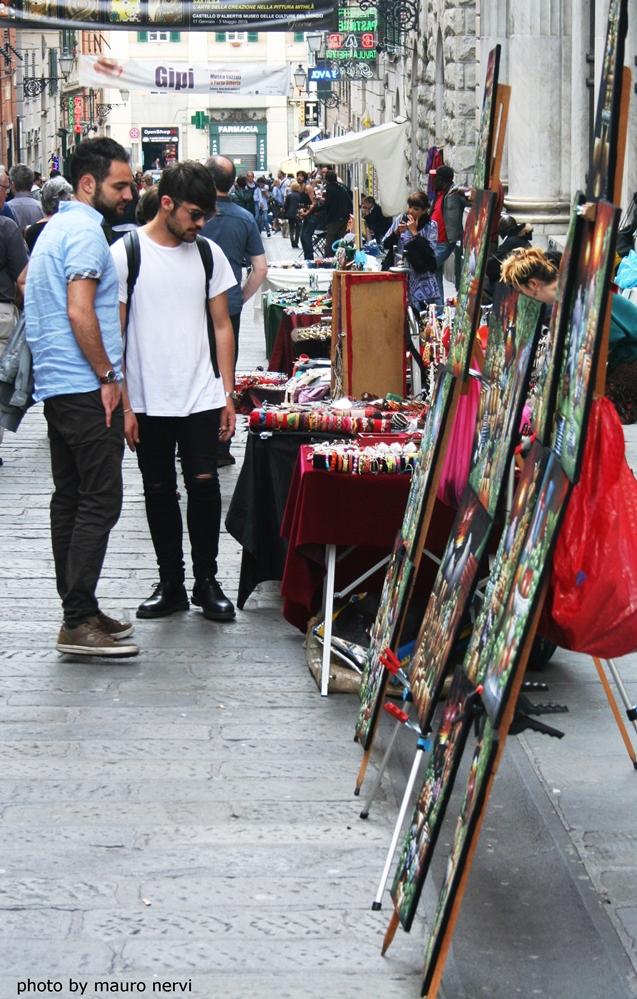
(447, 214)
(377, 223)
(13, 260)
(337, 205)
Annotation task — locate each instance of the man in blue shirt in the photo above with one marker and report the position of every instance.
(235, 231)
(73, 329)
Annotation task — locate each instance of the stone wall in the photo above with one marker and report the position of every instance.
(445, 82)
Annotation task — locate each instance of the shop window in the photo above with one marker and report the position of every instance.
(236, 36)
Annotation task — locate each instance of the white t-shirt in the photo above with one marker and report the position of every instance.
(168, 366)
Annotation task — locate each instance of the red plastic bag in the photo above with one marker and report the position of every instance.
(594, 579)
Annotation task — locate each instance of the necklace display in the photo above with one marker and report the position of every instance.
(434, 343)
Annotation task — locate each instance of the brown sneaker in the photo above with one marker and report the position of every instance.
(116, 629)
(90, 639)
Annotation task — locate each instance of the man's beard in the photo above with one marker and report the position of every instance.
(184, 233)
(104, 207)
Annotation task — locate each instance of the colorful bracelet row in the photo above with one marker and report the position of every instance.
(317, 421)
(365, 462)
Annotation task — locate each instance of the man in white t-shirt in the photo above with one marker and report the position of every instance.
(178, 393)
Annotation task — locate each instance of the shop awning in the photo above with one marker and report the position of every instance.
(383, 147)
(295, 163)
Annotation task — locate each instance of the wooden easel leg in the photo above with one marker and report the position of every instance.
(391, 932)
(615, 710)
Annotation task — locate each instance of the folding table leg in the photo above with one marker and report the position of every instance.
(330, 560)
(615, 710)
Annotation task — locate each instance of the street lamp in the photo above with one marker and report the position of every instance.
(65, 63)
(315, 41)
(300, 76)
(124, 94)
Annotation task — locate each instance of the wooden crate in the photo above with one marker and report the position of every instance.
(368, 321)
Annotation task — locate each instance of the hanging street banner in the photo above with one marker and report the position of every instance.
(244, 79)
(184, 15)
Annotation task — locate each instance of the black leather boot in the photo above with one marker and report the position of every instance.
(208, 595)
(166, 598)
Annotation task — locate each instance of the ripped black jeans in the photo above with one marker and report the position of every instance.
(197, 437)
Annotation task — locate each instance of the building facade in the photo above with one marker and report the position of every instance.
(552, 53)
(255, 132)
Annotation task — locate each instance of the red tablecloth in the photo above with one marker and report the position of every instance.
(327, 508)
(282, 357)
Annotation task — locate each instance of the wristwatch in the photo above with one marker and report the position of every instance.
(109, 377)
(231, 395)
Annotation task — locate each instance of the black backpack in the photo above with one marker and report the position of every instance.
(133, 258)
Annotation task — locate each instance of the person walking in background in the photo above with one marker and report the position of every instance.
(53, 192)
(291, 209)
(73, 330)
(235, 231)
(38, 182)
(5, 187)
(243, 196)
(262, 207)
(447, 213)
(180, 384)
(337, 206)
(13, 260)
(26, 210)
(276, 204)
(307, 217)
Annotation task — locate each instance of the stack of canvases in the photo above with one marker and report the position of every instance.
(485, 686)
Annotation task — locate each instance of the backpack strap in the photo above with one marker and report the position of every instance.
(205, 253)
(133, 259)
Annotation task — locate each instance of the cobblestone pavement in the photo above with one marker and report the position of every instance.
(187, 817)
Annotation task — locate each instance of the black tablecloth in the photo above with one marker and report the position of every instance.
(258, 503)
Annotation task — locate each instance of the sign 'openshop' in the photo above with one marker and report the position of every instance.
(185, 15)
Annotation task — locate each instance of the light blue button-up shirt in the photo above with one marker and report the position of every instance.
(72, 246)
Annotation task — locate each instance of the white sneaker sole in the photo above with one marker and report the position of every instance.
(123, 652)
(124, 633)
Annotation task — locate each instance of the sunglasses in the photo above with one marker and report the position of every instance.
(195, 213)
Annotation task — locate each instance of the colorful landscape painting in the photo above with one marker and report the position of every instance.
(514, 330)
(472, 805)
(601, 173)
(432, 801)
(548, 374)
(397, 581)
(477, 235)
(431, 440)
(511, 629)
(484, 145)
(449, 599)
(485, 630)
(595, 263)
(401, 566)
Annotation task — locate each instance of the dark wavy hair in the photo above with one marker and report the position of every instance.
(95, 156)
(189, 181)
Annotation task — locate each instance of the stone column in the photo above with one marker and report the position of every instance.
(539, 118)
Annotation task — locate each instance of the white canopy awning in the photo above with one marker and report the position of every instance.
(314, 134)
(383, 147)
